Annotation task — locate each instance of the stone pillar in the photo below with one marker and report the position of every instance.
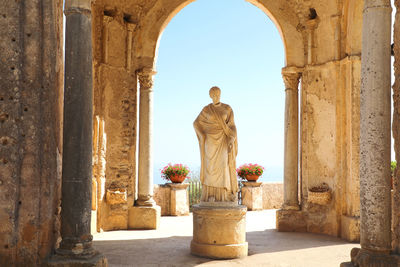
(375, 139)
(289, 218)
(145, 174)
(76, 244)
(179, 201)
(145, 214)
(291, 78)
(252, 195)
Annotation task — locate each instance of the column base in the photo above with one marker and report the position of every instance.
(219, 232)
(367, 258)
(96, 260)
(145, 218)
(290, 221)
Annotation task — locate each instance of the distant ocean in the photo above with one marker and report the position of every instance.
(271, 174)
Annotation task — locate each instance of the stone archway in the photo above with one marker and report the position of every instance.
(145, 51)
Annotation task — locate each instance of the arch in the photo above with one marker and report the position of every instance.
(147, 37)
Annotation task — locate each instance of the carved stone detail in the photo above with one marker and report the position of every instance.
(145, 77)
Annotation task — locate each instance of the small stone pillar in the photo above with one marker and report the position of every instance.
(289, 217)
(76, 244)
(219, 231)
(252, 195)
(291, 77)
(179, 199)
(145, 214)
(375, 196)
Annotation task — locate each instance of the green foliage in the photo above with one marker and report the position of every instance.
(393, 166)
(174, 170)
(249, 169)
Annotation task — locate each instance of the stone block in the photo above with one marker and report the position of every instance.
(179, 202)
(350, 228)
(219, 232)
(252, 195)
(162, 196)
(141, 217)
(97, 260)
(290, 221)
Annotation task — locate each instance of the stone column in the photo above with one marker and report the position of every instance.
(139, 216)
(145, 173)
(375, 139)
(290, 218)
(291, 78)
(76, 245)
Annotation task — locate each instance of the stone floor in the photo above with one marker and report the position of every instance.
(169, 246)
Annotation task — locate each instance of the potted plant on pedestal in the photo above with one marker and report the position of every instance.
(250, 172)
(176, 173)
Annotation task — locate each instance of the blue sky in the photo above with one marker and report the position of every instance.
(234, 45)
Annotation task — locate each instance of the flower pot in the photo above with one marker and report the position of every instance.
(177, 178)
(252, 177)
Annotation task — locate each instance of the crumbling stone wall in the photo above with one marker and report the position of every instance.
(31, 87)
(115, 111)
(396, 133)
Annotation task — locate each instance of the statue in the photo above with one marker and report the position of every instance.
(216, 132)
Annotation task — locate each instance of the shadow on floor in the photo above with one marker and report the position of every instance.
(171, 251)
(271, 240)
(175, 250)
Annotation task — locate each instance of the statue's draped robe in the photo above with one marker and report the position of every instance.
(214, 127)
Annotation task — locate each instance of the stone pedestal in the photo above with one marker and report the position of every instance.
(219, 232)
(142, 217)
(179, 199)
(252, 195)
(97, 260)
(290, 221)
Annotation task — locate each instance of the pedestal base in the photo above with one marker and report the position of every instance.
(97, 260)
(252, 195)
(219, 251)
(179, 199)
(290, 221)
(141, 217)
(219, 232)
(366, 258)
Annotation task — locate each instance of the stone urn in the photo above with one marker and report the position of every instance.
(252, 177)
(177, 178)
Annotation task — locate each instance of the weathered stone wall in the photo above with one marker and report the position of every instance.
(396, 133)
(115, 97)
(272, 195)
(31, 87)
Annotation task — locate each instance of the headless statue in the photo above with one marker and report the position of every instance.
(216, 132)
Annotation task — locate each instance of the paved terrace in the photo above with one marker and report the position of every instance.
(169, 246)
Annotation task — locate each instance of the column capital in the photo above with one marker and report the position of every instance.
(77, 6)
(291, 77)
(145, 77)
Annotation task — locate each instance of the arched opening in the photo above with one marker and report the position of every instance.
(233, 45)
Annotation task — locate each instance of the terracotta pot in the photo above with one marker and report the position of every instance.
(252, 177)
(177, 178)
